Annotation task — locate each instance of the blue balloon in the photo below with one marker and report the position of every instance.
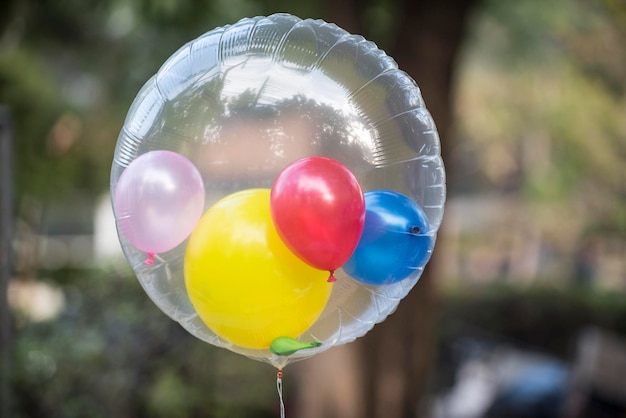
(396, 240)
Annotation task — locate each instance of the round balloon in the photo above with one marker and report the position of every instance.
(245, 284)
(158, 200)
(318, 208)
(396, 240)
(245, 101)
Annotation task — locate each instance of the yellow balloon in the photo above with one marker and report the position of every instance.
(244, 283)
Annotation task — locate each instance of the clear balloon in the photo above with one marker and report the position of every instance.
(318, 208)
(243, 281)
(397, 240)
(243, 102)
(158, 200)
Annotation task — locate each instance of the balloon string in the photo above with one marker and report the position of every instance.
(279, 387)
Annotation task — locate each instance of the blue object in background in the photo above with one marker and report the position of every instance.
(539, 392)
(396, 239)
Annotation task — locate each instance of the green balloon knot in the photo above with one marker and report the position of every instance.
(285, 346)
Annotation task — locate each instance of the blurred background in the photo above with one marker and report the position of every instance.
(522, 310)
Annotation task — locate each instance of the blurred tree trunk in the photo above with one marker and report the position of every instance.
(386, 374)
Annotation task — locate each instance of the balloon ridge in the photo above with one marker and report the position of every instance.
(281, 88)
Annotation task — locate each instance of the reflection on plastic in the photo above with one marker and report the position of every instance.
(244, 101)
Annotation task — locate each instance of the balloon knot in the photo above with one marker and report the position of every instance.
(332, 278)
(279, 374)
(415, 230)
(150, 260)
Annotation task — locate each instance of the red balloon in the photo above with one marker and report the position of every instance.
(318, 209)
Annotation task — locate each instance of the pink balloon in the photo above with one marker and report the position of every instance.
(158, 201)
(318, 209)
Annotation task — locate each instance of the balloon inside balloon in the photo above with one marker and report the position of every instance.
(318, 208)
(243, 102)
(397, 240)
(158, 200)
(244, 283)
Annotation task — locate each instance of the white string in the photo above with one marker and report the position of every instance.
(279, 387)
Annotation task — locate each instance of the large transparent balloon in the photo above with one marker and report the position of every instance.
(242, 103)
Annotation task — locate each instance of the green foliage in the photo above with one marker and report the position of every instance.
(540, 109)
(113, 353)
(27, 87)
(540, 318)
